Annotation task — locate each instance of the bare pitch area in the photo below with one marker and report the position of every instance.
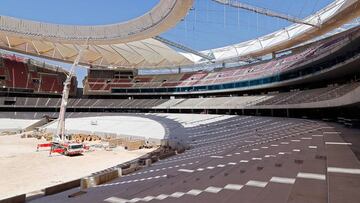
(24, 170)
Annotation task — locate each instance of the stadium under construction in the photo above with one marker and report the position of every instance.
(273, 118)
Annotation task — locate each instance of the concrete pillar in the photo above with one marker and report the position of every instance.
(87, 182)
(148, 162)
(120, 171)
(83, 184)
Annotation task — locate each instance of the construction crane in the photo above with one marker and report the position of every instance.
(60, 143)
(60, 131)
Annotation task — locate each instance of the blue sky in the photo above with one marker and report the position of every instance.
(208, 25)
(76, 12)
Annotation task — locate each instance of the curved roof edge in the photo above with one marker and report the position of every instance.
(150, 53)
(166, 14)
(328, 18)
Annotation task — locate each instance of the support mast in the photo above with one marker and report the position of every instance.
(60, 131)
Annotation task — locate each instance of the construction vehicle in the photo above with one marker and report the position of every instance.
(60, 142)
(65, 148)
(68, 148)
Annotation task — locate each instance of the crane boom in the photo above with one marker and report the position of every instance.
(60, 131)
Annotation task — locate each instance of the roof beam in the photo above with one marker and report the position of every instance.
(264, 11)
(182, 47)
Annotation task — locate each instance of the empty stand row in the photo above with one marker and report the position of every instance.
(247, 158)
(237, 102)
(86, 103)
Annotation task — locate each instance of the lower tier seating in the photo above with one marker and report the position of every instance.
(235, 102)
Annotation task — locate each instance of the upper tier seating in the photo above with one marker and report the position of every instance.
(16, 74)
(307, 96)
(104, 83)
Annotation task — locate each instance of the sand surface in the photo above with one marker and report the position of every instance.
(15, 124)
(24, 170)
(122, 125)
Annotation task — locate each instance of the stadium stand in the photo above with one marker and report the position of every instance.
(236, 157)
(270, 100)
(259, 127)
(21, 75)
(268, 71)
(307, 96)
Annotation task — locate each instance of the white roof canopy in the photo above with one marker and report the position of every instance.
(328, 18)
(133, 45)
(166, 14)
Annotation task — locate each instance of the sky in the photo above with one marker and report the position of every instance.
(208, 25)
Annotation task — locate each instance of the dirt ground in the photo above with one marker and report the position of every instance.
(24, 170)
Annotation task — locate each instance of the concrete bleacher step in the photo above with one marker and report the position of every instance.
(343, 170)
(311, 184)
(309, 190)
(280, 184)
(234, 178)
(284, 175)
(277, 176)
(274, 192)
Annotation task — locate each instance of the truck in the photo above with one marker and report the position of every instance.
(65, 148)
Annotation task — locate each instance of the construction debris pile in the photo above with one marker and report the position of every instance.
(4, 133)
(107, 142)
(128, 143)
(38, 135)
(83, 138)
